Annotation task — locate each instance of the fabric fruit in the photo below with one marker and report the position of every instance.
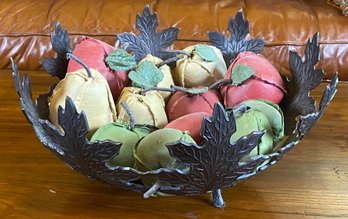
(151, 153)
(93, 53)
(122, 133)
(91, 95)
(192, 123)
(194, 71)
(181, 103)
(260, 116)
(266, 83)
(147, 109)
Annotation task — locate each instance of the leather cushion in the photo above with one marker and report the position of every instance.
(285, 25)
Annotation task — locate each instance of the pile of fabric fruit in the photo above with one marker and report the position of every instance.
(146, 102)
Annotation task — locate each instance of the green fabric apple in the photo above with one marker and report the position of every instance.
(119, 132)
(264, 116)
(151, 153)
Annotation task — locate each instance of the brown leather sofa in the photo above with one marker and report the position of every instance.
(25, 26)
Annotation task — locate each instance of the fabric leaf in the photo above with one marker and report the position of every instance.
(120, 60)
(146, 75)
(206, 53)
(241, 73)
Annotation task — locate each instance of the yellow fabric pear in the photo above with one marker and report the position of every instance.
(194, 71)
(90, 94)
(147, 109)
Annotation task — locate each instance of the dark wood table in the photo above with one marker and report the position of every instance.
(310, 182)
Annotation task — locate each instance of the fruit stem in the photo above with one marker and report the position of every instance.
(170, 60)
(165, 89)
(175, 58)
(71, 56)
(130, 115)
(183, 52)
(218, 83)
(174, 88)
(241, 108)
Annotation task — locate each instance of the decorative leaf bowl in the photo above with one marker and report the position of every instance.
(209, 165)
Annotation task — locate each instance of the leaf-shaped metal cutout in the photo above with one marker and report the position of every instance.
(70, 144)
(57, 67)
(42, 103)
(237, 42)
(149, 41)
(305, 123)
(309, 120)
(305, 77)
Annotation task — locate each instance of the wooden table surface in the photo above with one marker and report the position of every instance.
(310, 182)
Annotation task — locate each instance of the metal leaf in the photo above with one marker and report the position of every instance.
(255, 45)
(308, 121)
(237, 42)
(42, 103)
(24, 91)
(305, 77)
(239, 26)
(57, 67)
(148, 41)
(168, 36)
(132, 42)
(146, 22)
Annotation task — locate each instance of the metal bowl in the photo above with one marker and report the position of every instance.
(216, 164)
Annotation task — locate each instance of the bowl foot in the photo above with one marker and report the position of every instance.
(218, 201)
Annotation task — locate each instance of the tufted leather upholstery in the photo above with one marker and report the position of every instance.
(286, 25)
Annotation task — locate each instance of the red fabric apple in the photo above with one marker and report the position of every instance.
(192, 123)
(93, 53)
(266, 83)
(181, 103)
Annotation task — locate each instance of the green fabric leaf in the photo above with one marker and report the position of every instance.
(240, 73)
(206, 53)
(147, 75)
(120, 60)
